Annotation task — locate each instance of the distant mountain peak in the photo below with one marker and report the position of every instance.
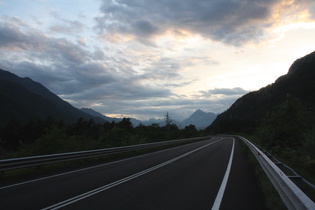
(200, 119)
(199, 111)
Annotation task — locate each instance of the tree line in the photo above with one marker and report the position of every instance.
(50, 136)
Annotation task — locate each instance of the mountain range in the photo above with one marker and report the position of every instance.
(247, 113)
(23, 99)
(199, 118)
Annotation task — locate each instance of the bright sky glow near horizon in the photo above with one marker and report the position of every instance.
(130, 58)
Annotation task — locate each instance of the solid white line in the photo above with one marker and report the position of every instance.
(113, 184)
(220, 194)
(83, 169)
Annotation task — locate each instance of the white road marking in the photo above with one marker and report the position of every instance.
(113, 184)
(220, 194)
(83, 169)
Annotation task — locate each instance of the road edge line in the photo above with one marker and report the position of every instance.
(220, 194)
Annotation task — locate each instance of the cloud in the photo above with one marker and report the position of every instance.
(232, 22)
(71, 28)
(224, 91)
(141, 57)
(15, 37)
(185, 83)
(228, 21)
(179, 108)
(163, 69)
(66, 26)
(133, 82)
(144, 28)
(76, 73)
(14, 34)
(311, 9)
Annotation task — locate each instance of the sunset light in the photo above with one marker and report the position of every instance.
(119, 57)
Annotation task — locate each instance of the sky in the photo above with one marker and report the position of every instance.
(141, 59)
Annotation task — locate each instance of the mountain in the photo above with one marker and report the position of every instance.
(134, 121)
(23, 99)
(247, 112)
(92, 112)
(200, 119)
(160, 122)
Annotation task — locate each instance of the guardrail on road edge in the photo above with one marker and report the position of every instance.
(24, 162)
(291, 195)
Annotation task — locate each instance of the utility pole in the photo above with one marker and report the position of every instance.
(167, 119)
(167, 125)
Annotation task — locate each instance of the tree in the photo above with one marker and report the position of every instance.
(285, 125)
(126, 124)
(11, 135)
(190, 131)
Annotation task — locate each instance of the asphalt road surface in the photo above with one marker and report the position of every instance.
(210, 174)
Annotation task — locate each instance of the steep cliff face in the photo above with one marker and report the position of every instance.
(248, 111)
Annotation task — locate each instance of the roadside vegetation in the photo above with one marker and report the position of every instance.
(288, 133)
(50, 136)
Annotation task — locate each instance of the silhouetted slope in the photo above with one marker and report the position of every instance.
(97, 114)
(248, 111)
(200, 119)
(22, 99)
(22, 105)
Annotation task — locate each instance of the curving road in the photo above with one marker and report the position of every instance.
(214, 173)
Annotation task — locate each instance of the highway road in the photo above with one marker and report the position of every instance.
(210, 174)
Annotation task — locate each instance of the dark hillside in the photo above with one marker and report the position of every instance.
(22, 105)
(23, 100)
(248, 111)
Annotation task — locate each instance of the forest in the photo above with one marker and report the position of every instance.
(289, 133)
(49, 136)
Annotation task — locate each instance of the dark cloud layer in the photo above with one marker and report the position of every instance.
(69, 69)
(233, 22)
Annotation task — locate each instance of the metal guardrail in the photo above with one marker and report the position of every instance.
(295, 175)
(24, 162)
(291, 195)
